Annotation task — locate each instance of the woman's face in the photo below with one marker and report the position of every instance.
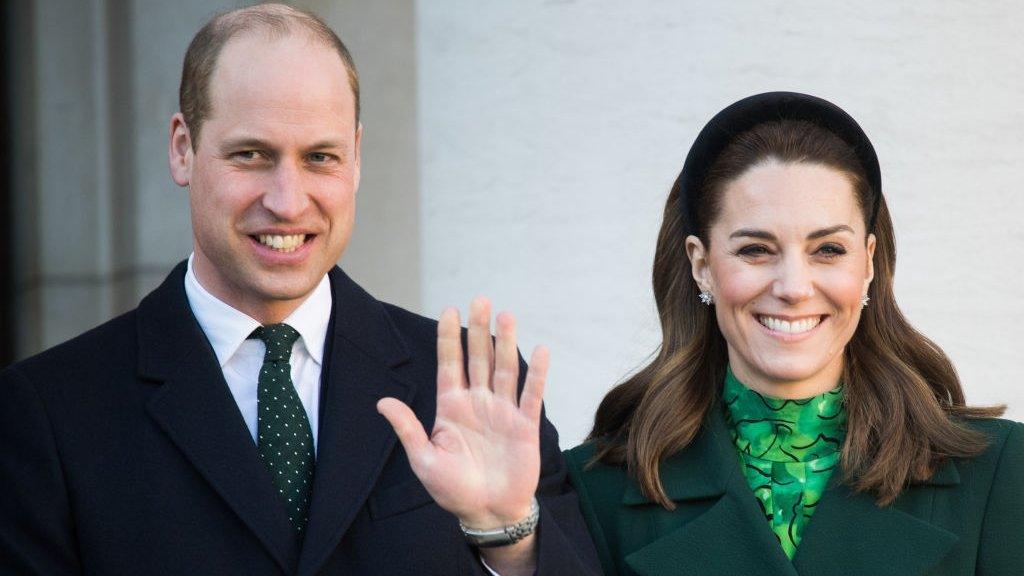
(788, 264)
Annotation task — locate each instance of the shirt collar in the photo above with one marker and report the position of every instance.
(227, 328)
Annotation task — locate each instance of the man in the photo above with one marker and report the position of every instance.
(229, 424)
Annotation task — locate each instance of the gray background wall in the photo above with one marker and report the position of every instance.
(523, 150)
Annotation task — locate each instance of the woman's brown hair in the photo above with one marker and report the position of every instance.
(903, 396)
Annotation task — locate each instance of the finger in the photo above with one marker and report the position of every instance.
(536, 376)
(481, 348)
(506, 358)
(408, 429)
(451, 375)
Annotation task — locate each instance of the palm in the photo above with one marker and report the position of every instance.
(482, 460)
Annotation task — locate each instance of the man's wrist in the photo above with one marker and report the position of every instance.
(501, 533)
(519, 559)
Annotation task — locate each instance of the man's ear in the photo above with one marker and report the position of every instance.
(179, 151)
(699, 266)
(358, 156)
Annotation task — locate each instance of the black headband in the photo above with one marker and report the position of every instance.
(771, 106)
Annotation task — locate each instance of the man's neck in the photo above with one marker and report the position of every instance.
(263, 311)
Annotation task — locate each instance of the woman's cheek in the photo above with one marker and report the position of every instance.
(844, 286)
(736, 284)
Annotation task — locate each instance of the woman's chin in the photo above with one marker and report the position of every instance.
(781, 373)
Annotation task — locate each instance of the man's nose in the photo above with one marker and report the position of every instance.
(794, 281)
(286, 196)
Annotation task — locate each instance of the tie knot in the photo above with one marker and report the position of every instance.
(279, 339)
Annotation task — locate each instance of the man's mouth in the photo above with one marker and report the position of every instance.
(789, 326)
(283, 243)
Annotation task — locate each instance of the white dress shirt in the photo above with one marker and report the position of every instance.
(240, 359)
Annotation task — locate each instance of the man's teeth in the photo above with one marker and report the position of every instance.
(788, 327)
(282, 243)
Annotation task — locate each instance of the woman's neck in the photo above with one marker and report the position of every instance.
(783, 388)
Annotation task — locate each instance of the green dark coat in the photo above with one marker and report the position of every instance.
(968, 519)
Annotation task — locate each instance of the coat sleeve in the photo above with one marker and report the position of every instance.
(1001, 551)
(36, 532)
(565, 546)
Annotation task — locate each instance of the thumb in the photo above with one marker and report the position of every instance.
(408, 428)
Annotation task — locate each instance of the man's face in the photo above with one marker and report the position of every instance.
(273, 178)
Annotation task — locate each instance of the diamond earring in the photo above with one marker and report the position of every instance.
(706, 297)
(864, 300)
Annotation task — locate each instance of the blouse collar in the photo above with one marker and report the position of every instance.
(784, 430)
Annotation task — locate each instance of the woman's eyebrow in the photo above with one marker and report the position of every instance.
(829, 231)
(765, 235)
(752, 233)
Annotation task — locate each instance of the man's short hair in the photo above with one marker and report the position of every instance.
(275, 20)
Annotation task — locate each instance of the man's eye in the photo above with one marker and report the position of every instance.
(247, 154)
(320, 157)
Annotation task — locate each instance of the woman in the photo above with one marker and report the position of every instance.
(793, 422)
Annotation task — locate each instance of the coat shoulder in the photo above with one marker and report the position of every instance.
(595, 477)
(417, 332)
(108, 344)
(1005, 440)
(994, 479)
(412, 324)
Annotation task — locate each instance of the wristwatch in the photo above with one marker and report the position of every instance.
(509, 534)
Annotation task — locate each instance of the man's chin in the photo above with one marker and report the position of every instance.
(287, 291)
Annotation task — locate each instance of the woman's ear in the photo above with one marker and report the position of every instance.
(871, 262)
(699, 265)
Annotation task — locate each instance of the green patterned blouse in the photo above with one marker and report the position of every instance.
(788, 449)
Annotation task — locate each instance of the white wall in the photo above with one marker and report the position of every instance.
(550, 132)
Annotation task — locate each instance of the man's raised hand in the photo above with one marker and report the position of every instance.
(481, 462)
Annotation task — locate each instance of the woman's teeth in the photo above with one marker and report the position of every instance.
(796, 327)
(282, 243)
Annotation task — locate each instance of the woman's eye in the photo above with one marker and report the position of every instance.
(831, 250)
(754, 250)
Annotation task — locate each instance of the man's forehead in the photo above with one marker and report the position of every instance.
(267, 61)
(292, 76)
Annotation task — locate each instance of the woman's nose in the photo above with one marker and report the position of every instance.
(793, 282)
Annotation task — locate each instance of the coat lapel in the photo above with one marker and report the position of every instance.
(354, 441)
(849, 535)
(196, 410)
(729, 537)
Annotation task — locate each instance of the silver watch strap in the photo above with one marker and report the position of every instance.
(509, 534)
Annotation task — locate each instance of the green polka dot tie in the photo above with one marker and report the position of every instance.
(285, 438)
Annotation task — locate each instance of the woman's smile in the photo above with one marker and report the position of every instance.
(790, 328)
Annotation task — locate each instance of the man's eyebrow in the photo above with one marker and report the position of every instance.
(325, 144)
(252, 142)
(244, 142)
(765, 235)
